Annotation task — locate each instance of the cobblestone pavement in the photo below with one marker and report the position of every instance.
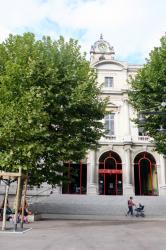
(86, 235)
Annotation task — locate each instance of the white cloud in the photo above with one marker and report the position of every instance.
(3, 33)
(19, 13)
(133, 27)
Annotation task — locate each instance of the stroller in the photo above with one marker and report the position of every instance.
(139, 211)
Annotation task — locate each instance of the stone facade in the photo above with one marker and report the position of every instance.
(125, 140)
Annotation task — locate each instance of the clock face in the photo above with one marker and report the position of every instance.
(102, 47)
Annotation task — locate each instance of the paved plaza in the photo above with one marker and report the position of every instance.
(127, 234)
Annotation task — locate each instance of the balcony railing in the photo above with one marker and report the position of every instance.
(111, 137)
(144, 138)
(108, 138)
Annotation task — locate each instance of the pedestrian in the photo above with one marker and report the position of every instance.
(130, 206)
(8, 211)
(25, 214)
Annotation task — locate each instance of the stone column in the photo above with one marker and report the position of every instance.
(162, 175)
(127, 171)
(126, 115)
(91, 173)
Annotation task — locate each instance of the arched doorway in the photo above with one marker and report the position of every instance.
(110, 174)
(145, 174)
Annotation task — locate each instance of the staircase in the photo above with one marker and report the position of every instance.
(58, 206)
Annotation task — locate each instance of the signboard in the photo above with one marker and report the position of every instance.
(110, 171)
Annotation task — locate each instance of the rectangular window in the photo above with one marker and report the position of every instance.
(108, 83)
(109, 124)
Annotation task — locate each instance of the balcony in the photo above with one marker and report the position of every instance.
(111, 137)
(143, 138)
(107, 139)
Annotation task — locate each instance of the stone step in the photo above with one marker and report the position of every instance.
(95, 205)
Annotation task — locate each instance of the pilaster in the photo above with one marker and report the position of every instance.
(127, 172)
(91, 173)
(162, 175)
(127, 130)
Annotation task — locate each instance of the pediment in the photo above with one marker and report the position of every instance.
(112, 107)
(111, 104)
(110, 65)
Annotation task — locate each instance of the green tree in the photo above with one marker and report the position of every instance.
(50, 106)
(149, 93)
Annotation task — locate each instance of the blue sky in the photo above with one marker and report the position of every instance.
(132, 27)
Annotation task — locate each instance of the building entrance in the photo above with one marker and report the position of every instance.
(145, 174)
(110, 174)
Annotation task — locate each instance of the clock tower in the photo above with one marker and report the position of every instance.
(101, 50)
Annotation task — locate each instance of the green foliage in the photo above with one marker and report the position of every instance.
(50, 109)
(149, 92)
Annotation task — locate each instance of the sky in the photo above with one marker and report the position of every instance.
(132, 27)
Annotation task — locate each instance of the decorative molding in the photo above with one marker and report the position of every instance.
(109, 61)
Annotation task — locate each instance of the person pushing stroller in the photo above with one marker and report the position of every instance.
(131, 204)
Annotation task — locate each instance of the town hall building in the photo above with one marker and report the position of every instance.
(126, 162)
